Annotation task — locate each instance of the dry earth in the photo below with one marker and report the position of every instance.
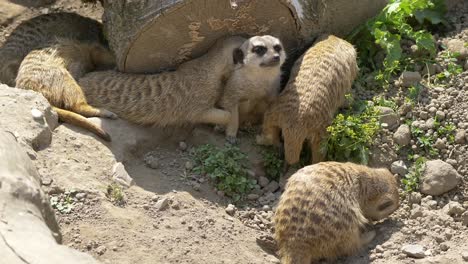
(171, 215)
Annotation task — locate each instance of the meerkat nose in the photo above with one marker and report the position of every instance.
(276, 57)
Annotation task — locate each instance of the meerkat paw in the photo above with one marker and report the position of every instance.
(108, 114)
(232, 140)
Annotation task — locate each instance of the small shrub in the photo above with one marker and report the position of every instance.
(272, 163)
(63, 204)
(115, 194)
(452, 69)
(411, 179)
(226, 167)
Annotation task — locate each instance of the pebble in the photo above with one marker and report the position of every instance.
(440, 115)
(182, 146)
(263, 181)
(414, 251)
(252, 196)
(162, 204)
(465, 255)
(408, 78)
(388, 116)
(414, 198)
(230, 209)
(37, 114)
(438, 178)
(120, 175)
(402, 135)
(188, 165)
(151, 161)
(444, 246)
(100, 250)
(272, 186)
(453, 208)
(460, 136)
(399, 167)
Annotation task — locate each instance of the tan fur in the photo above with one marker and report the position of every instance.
(38, 31)
(256, 82)
(324, 208)
(319, 81)
(53, 71)
(185, 96)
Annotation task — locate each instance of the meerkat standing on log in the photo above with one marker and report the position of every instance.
(37, 31)
(185, 96)
(53, 71)
(256, 82)
(325, 207)
(319, 80)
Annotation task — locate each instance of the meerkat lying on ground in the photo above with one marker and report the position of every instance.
(185, 96)
(319, 81)
(53, 71)
(256, 82)
(35, 32)
(325, 206)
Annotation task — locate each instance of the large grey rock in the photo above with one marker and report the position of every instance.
(388, 116)
(402, 135)
(438, 178)
(28, 229)
(20, 115)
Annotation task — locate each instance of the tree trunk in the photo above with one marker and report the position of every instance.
(151, 35)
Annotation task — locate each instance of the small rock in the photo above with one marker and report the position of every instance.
(120, 175)
(182, 146)
(263, 181)
(444, 246)
(458, 46)
(252, 196)
(399, 167)
(465, 255)
(230, 209)
(37, 114)
(100, 250)
(402, 135)
(272, 186)
(151, 160)
(80, 195)
(414, 251)
(430, 124)
(414, 198)
(440, 115)
(408, 78)
(188, 165)
(196, 186)
(416, 212)
(438, 177)
(453, 208)
(460, 136)
(162, 204)
(440, 144)
(388, 116)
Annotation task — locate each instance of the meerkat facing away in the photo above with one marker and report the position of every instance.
(185, 96)
(325, 207)
(53, 71)
(255, 82)
(319, 80)
(37, 31)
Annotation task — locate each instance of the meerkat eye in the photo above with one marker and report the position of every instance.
(277, 48)
(259, 50)
(385, 205)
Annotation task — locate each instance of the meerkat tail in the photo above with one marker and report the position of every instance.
(79, 120)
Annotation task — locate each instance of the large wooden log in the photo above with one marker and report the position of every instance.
(151, 35)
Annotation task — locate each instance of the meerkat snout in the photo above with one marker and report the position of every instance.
(262, 51)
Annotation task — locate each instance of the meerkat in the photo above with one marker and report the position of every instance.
(37, 31)
(185, 96)
(256, 82)
(325, 208)
(319, 80)
(53, 71)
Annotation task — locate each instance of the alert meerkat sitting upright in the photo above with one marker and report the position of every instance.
(324, 209)
(53, 72)
(256, 82)
(319, 80)
(185, 96)
(44, 29)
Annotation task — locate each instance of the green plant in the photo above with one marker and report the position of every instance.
(226, 166)
(381, 101)
(413, 93)
(63, 204)
(272, 163)
(448, 131)
(452, 69)
(115, 194)
(400, 19)
(351, 134)
(424, 142)
(411, 179)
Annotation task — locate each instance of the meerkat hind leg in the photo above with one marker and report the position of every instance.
(215, 116)
(87, 110)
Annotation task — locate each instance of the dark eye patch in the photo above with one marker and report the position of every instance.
(277, 48)
(385, 205)
(259, 50)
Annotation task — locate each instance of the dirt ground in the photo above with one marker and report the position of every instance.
(171, 215)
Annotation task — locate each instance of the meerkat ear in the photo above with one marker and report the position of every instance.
(238, 56)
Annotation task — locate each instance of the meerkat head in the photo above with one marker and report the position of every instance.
(379, 194)
(261, 51)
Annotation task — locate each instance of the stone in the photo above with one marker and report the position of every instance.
(414, 251)
(399, 167)
(440, 115)
(263, 181)
(444, 246)
(438, 178)
(182, 146)
(460, 136)
(252, 196)
(120, 175)
(408, 78)
(272, 186)
(402, 135)
(388, 116)
(101, 250)
(162, 204)
(453, 208)
(440, 144)
(416, 212)
(188, 165)
(151, 160)
(230, 209)
(465, 255)
(37, 114)
(414, 198)
(458, 46)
